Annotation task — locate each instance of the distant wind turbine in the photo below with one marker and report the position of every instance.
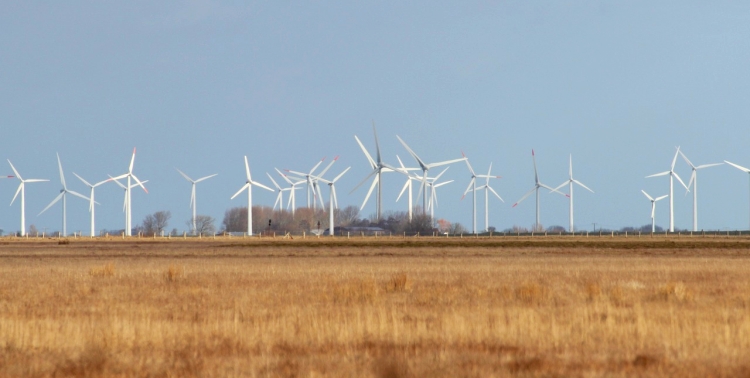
(537, 186)
(22, 190)
(128, 191)
(473, 188)
(192, 194)
(672, 174)
(378, 167)
(487, 189)
(570, 181)
(694, 182)
(91, 199)
(249, 186)
(653, 208)
(62, 196)
(333, 202)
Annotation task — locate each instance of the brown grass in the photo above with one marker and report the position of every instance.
(373, 310)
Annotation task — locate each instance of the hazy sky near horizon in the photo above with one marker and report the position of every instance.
(197, 85)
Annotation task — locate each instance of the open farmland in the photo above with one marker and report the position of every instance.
(547, 306)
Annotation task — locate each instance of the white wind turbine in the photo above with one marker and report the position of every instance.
(653, 208)
(741, 168)
(378, 167)
(280, 196)
(292, 202)
(192, 193)
(22, 189)
(249, 186)
(433, 184)
(473, 188)
(311, 180)
(672, 174)
(91, 199)
(63, 196)
(125, 201)
(332, 199)
(694, 181)
(425, 167)
(537, 186)
(407, 184)
(128, 191)
(570, 181)
(487, 188)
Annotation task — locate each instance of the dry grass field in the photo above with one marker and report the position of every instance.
(653, 307)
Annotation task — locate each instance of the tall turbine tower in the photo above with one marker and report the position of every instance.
(22, 190)
(333, 202)
(62, 196)
(537, 186)
(249, 186)
(672, 174)
(694, 181)
(570, 181)
(487, 189)
(128, 191)
(192, 193)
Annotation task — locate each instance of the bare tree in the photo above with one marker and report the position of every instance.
(155, 223)
(204, 224)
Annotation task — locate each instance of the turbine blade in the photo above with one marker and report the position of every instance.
(551, 189)
(139, 183)
(62, 175)
(708, 165)
(377, 144)
(84, 181)
(79, 195)
(132, 160)
(468, 188)
(367, 154)
(536, 174)
(273, 181)
(741, 168)
(433, 165)
(20, 187)
(584, 186)
(413, 154)
(206, 178)
(262, 186)
(440, 174)
(661, 198)
(247, 171)
(114, 179)
(246, 186)
(54, 201)
(341, 174)
(467, 163)
(184, 175)
(658, 174)
(278, 201)
(525, 196)
(686, 159)
(680, 180)
(674, 159)
(14, 170)
(495, 193)
(406, 184)
(646, 194)
(328, 166)
(364, 180)
(561, 185)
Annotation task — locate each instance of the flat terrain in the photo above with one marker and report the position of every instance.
(385, 307)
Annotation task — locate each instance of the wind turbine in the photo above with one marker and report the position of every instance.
(487, 188)
(672, 174)
(378, 167)
(409, 178)
(432, 203)
(332, 199)
(91, 199)
(694, 181)
(130, 175)
(22, 189)
(249, 186)
(192, 194)
(473, 188)
(125, 201)
(570, 181)
(62, 196)
(536, 187)
(741, 168)
(311, 179)
(279, 197)
(653, 208)
(425, 167)
(293, 188)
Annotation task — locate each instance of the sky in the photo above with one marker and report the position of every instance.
(197, 85)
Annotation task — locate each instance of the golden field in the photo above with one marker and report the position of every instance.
(416, 307)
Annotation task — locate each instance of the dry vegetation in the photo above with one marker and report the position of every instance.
(385, 308)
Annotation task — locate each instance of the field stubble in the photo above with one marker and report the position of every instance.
(369, 309)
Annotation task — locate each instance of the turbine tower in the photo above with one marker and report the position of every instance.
(279, 197)
(425, 167)
(249, 186)
(672, 174)
(378, 167)
(128, 191)
(741, 168)
(653, 208)
(409, 178)
(473, 188)
(192, 194)
(126, 199)
(694, 181)
(570, 181)
(537, 186)
(22, 190)
(312, 183)
(333, 202)
(63, 196)
(487, 189)
(91, 199)
(293, 186)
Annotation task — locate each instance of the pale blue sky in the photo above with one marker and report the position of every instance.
(199, 84)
